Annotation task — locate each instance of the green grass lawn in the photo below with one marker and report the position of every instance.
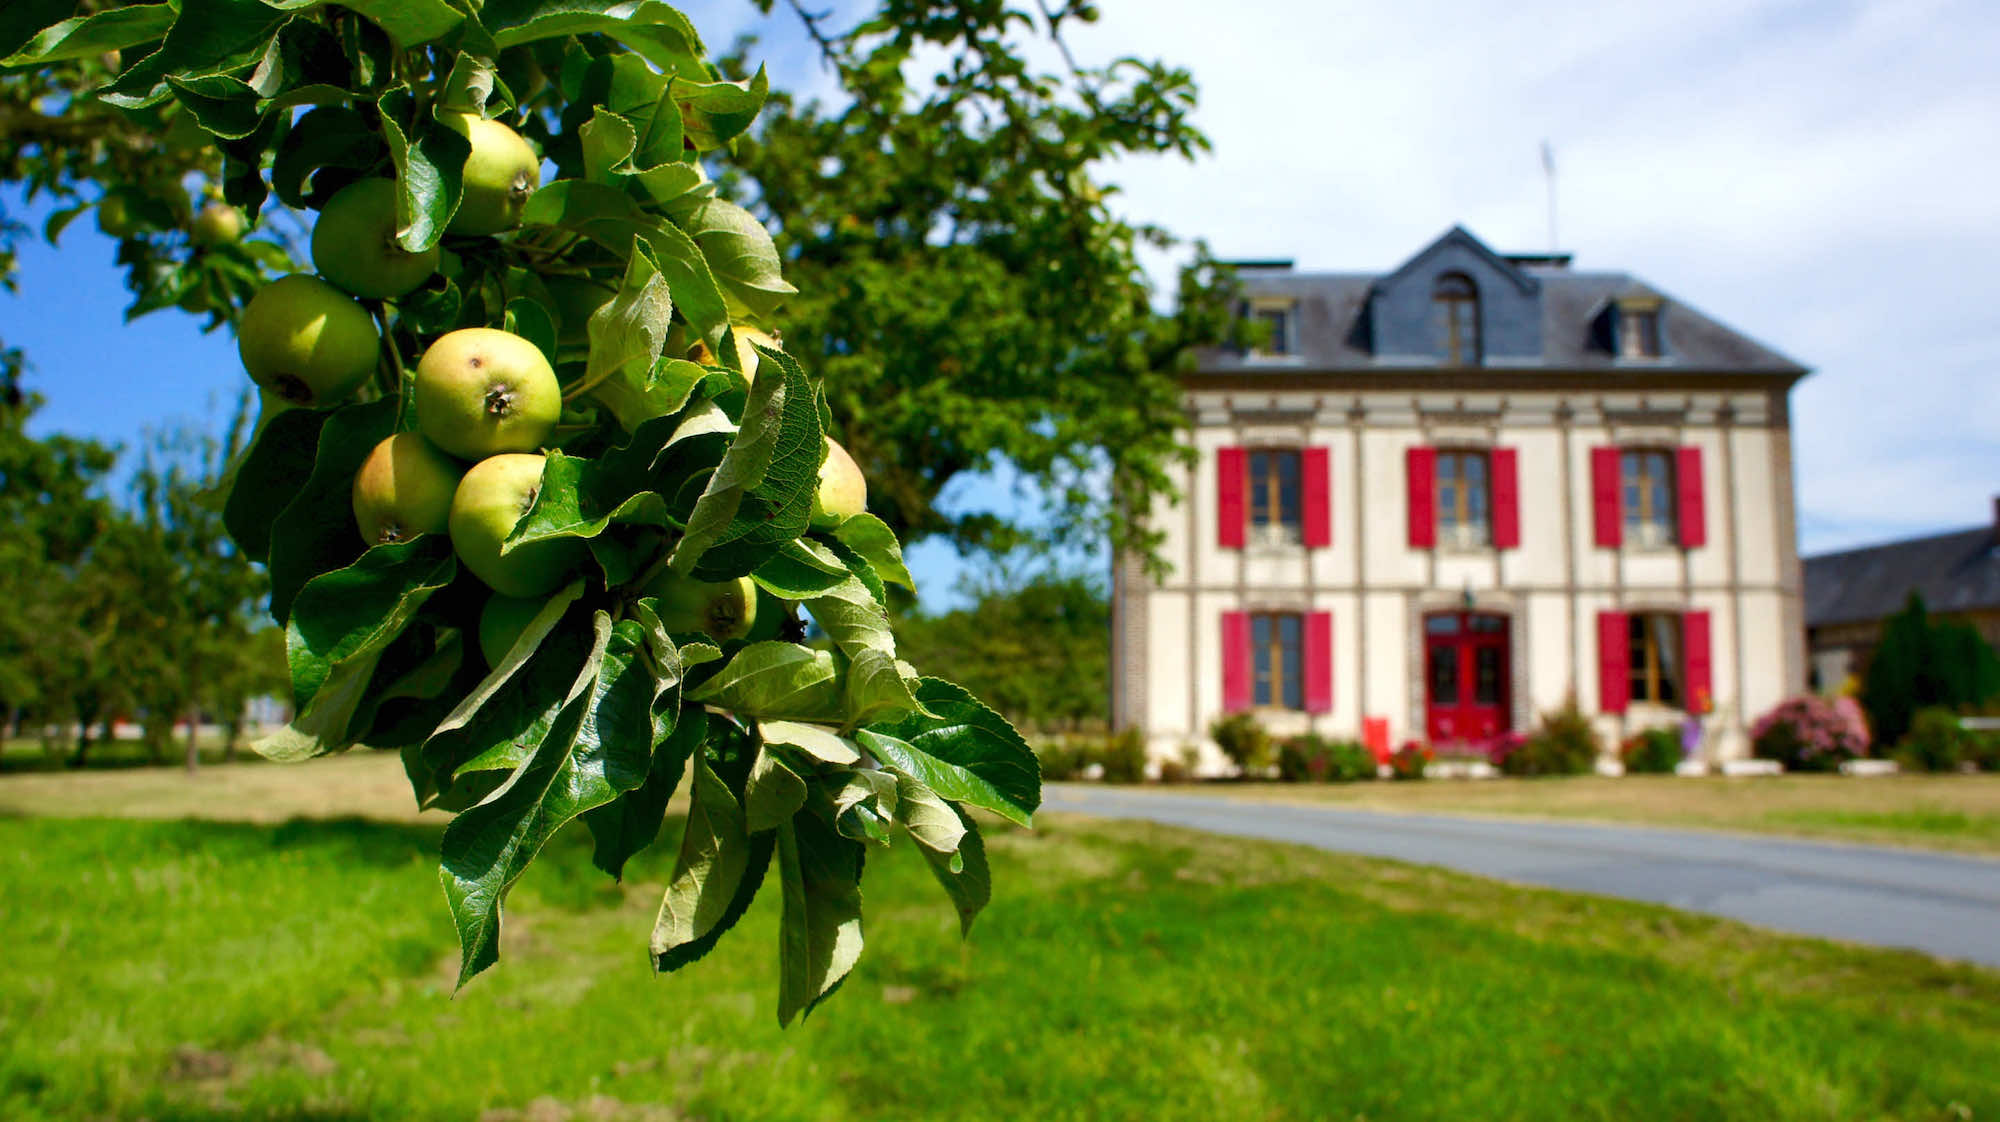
(182, 970)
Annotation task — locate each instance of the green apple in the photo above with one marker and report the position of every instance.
(404, 488)
(768, 620)
(492, 497)
(217, 223)
(500, 176)
(481, 391)
(307, 341)
(722, 610)
(502, 621)
(114, 217)
(354, 243)
(842, 493)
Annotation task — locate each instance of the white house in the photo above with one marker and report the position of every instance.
(1441, 500)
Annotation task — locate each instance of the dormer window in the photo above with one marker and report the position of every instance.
(1276, 317)
(1455, 303)
(1639, 332)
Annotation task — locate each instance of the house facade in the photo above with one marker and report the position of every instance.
(1440, 501)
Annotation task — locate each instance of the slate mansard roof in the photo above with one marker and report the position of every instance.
(1536, 314)
(1954, 572)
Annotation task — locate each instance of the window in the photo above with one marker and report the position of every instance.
(1275, 651)
(1639, 332)
(1455, 303)
(1462, 499)
(1655, 651)
(1274, 496)
(1647, 482)
(1280, 322)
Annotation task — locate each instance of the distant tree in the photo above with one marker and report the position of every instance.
(1922, 662)
(1035, 642)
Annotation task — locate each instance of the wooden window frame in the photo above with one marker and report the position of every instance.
(1266, 521)
(1456, 298)
(1287, 676)
(1461, 530)
(1651, 672)
(1635, 340)
(1641, 524)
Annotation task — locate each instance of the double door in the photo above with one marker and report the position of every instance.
(1466, 672)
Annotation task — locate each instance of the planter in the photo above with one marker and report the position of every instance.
(1460, 769)
(1693, 769)
(1741, 768)
(1868, 767)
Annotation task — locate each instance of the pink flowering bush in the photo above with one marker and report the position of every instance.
(1811, 733)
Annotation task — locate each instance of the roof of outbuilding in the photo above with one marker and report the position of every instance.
(1954, 572)
(1333, 332)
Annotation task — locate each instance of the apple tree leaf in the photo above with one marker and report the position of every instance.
(83, 36)
(741, 256)
(965, 752)
(284, 449)
(819, 937)
(871, 538)
(430, 168)
(776, 680)
(316, 532)
(632, 821)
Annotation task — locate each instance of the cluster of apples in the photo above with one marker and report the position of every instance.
(486, 402)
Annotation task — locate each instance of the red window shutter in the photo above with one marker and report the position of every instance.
(1614, 662)
(1319, 662)
(1700, 673)
(1423, 497)
(1236, 669)
(1506, 499)
(1316, 479)
(1604, 481)
(1230, 517)
(1693, 510)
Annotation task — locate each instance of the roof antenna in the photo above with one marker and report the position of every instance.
(1549, 173)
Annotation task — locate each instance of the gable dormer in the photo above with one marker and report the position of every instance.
(1631, 325)
(1456, 304)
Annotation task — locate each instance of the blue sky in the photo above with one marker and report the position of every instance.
(1820, 175)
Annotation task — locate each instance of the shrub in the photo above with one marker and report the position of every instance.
(1652, 752)
(1059, 760)
(1564, 744)
(1123, 756)
(1935, 742)
(1244, 741)
(1922, 662)
(1409, 761)
(1349, 760)
(1811, 733)
(1982, 749)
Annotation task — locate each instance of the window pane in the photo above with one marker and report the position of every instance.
(1666, 631)
(1444, 675)
(1486, 676)
(1260, 645)
(1260, 488)
(1293, 670)
(1288, 487)
(1442, 625)
(1489, 625)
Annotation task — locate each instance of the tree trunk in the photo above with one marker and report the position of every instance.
(84, 719)
(232, 738)
(193, 752)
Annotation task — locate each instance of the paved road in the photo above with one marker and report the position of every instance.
(1946, 905)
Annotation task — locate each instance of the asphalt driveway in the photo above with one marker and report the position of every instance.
(1944, 904)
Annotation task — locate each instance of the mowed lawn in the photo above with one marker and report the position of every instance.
(181, 969)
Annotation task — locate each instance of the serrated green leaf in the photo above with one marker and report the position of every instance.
(531, 321)
(876, 688)
(632, 821)
(852, 617)
(963, 872)
(697, 293)
(631, 328)
(654, 31)
(773, 680)
(820, 927)
(859, 567)
(408, 22)
(222, 105)
(862, 803)
(798, 569)
(714, 859)
(469, 85)
(327, 137)
(607, 140)
(931, 821)
(315, 533)
(84, 36)
(773, 793)
(358, 610)
(966, 752)
(273, 472)
(495, 720)
(430, 169)
(487, 847)
(715, 113)
(871, 538)
(820, 742)
(740, 255)
(211, 37)
(761, 493)
(637, 394)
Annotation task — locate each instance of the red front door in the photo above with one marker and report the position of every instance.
(1465, 677)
